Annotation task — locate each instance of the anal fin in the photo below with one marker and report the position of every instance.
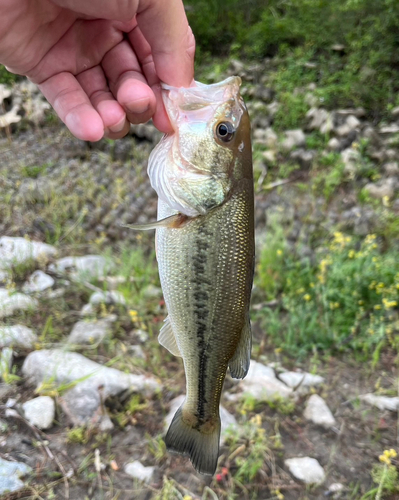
(167, 338)
(239, 363)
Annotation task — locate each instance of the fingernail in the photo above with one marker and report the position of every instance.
(138, 107)
(118, 127)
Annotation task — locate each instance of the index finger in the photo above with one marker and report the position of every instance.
(164, 24)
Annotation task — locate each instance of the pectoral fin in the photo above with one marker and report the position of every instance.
(167, 338)
(174, 221)
(239, 363)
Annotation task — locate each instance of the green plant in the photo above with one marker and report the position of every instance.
(291, 111)
(34, 171)
(346, 298)
(79, 435)
(157, 447)
(6, 77)
(385, 475)
(246, 461)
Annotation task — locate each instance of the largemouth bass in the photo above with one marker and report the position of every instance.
(205, 250)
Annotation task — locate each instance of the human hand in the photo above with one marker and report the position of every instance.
(99, 63)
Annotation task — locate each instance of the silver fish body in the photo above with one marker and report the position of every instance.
(205, 252)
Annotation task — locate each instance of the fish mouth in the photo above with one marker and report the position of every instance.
(201, 99)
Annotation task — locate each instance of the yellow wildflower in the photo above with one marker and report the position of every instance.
(307, 297)
(133, 314)
(389, 303)
(279, 252)
(351, 254)
(387, 455)
(377, 307)
(257, 420)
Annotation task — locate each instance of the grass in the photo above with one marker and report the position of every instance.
(346, 297)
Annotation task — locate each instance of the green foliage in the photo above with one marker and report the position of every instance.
(361, 73)
(255, 454)
(79, 435)
(347, 297)
(291, 112)
(330, 176)
(34, 171)
(6, 77)
(387, 477)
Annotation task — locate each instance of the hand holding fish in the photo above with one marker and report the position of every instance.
(99, 63)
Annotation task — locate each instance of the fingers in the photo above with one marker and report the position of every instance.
(144, 54)
(94, 84)
(128, 84)
(121, 10)
(73, 106)
(165, 26)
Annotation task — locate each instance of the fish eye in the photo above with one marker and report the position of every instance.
(225, 131)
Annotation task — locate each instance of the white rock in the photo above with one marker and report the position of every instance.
(142, 335)
(301, 381)
(138, 471)
(381, 402)
(318, 412)
(38, 282)
(306, 469)
(272, 108)
(318, 117)
(17, 336)
(385, 188)
(5, 275)
(6, 356)
(110, 297)
(393, 128)
(293, 139)
(228, 421)
(257, 371)
(351, 159)
(12, 302)
(351, 123)
(88, 310)
(89, 332)
(391, 168)
(270, 139)
(10, 117)
(55, 294)
(40, 411)
(262, 384)
(5, 92)
(152, 292)
(84, 402)
(18, 250)
(137, 351)
(83, 268)
(10, 474)
(335, 487)
(334, 144)
(269, 156)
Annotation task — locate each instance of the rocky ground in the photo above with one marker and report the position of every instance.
(87, 391)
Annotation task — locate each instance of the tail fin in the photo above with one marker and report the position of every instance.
(201, 447)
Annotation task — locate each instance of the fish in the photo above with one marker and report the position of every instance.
(203, 175)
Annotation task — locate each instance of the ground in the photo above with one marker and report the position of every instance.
(57, 189)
